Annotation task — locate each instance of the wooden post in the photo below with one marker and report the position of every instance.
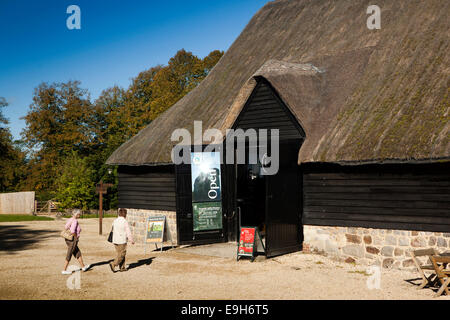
(101, 189)
(100, 209)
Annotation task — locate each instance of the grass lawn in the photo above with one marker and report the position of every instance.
(22, 217)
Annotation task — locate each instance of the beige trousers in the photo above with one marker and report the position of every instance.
(121, 250)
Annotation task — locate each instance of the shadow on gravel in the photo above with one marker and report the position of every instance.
(166, 248)
(99, 263)
(413, 281)
(140, 263)
(15, 238)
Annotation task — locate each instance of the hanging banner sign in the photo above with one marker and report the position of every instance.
(206, 191)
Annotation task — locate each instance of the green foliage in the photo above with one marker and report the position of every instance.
(155, 90)
(69, 138)
(75, 184)
(3, 120)
(22, 217)
(60, 121)
(12, 159)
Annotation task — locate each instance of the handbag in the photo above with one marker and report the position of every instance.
(110, 237)
(67, 235)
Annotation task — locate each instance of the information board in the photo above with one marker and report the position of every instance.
(155, 229)
(207, 215)
(247, 242)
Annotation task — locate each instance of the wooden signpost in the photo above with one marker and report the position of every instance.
(249, 237)
(101, 189)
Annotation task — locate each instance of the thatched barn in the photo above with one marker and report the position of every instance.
(364, 133)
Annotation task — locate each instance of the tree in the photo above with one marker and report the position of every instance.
(69, 138)
(60, 121)
(211, 60)
(155, 90)
(3, 120)
(12, 159)
(120, 114)
(183, 73)
(111, 118)
(75, 183)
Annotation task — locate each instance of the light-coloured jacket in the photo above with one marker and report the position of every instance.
(121, 231)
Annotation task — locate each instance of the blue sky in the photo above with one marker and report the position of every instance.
(117, 40)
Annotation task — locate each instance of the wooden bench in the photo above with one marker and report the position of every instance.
(426, 280)
(439, 264)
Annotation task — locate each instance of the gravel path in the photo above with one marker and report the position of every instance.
(32, 256)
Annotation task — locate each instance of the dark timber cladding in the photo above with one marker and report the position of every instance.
(408, 197)
(147, 187)
(265, 110)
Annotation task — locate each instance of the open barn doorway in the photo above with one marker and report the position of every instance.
(272, 202)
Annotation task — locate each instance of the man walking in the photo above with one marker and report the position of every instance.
(121, 232)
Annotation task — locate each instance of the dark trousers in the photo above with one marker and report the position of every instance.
(72, 249)
(121, 250)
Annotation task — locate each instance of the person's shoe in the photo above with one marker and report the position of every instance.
(86, 267)
(66, 272)
(112, 267)
(123, 269)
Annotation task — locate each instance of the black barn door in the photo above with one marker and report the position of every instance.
(184, 203)
(283, 213)
(265, 109)
(185, 219)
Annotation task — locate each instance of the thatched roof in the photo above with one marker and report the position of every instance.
(360, 95)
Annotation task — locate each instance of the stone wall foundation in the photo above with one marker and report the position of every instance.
(381, 247)
(137, 219)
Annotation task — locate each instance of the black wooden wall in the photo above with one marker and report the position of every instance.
(147, 187)
(265, 110)
(405, 197)
(185, 222)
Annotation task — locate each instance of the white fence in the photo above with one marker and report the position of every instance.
(17, 203)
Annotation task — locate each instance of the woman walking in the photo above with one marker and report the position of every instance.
(72, 245)
(121, 231)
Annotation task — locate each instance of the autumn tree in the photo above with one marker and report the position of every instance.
(12, 159)
(121, 114)
(60, 121)
(69, 138)
(138, 100)
(211, 60)
(155, 90)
